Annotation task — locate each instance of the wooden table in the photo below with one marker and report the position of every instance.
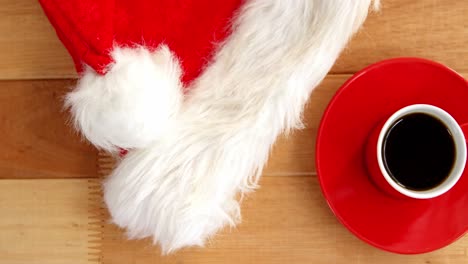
(50, 207)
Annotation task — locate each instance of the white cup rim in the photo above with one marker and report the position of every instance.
(460, 150)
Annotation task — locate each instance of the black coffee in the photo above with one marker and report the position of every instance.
(419, 152)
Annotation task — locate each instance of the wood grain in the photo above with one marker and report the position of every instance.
(434, 29)
(48, 222)
(29, 150)
(295, 154)
(34, 137)
(29, 47)
(437, 30)
(286, 221)
(37, 142)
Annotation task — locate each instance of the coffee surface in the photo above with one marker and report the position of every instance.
(419, 152)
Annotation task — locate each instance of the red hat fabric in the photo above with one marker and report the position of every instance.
(191, 28)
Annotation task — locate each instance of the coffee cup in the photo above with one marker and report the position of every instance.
(418, 152)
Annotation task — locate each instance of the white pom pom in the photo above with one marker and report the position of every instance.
(133, 103)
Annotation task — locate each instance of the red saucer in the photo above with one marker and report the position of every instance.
(406, 226)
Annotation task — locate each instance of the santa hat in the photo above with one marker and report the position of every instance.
(197, 91)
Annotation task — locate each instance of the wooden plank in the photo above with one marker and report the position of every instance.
(35, 140)
(29, 47)
(286, 221)
(437, 30)
(425, 28)
(49, 222)
(37, 143)
(295, 154)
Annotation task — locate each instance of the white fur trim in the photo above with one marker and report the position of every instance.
(183, 188)
(131, 105)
